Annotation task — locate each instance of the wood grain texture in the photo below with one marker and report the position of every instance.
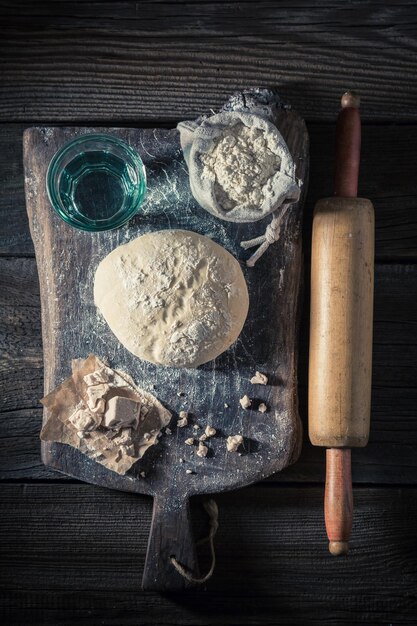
(389, 457)
(170, 536)
(65, 553)
(66, 62)
(341, 322)
(338, 500)
(77, 553)
(348, 147)
(387, 177)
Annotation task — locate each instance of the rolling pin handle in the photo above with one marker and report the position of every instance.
(350, 99)
(348, 147)
(338, 499)
(338, 548)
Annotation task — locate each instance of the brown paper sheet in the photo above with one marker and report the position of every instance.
(90, 386)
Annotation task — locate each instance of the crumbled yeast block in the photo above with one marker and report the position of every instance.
(245, 402)
(124, 437)
(183, 421)
(203, 437)
(128, 450)
(233, 442)
(143, 474)
(188, 471)
(202, 450)
(102, 375)
(76, 415)
(95, 398)
(259, 379)
(168, 431)
(189, 441)
(121, 413)
(84, 420)
(226, 406)
(210, 431)
(262, 407)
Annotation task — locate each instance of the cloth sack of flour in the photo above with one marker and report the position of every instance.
(200, 138)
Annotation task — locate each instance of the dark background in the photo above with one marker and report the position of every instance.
(74, 554)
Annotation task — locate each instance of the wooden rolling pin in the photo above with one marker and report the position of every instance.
(342, 276)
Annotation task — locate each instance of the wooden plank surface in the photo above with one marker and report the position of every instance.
(389, 458)
(67, 62)
(151, 63)
(77, 554)
(389, 154)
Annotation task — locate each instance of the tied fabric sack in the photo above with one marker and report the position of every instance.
(270, 186)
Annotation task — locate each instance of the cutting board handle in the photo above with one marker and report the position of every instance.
(171, 535)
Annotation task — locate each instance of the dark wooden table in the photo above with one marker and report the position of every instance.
(72, 553)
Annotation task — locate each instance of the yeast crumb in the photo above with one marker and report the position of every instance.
(183, 421)
(210, 431)
(259, 379)
(202, 450)
(245, 402)
(233, 442)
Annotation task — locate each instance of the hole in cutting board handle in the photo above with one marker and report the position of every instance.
(170, 536)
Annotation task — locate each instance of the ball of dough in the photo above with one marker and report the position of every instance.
(172, 297)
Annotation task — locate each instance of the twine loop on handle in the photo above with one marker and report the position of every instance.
(213, 513)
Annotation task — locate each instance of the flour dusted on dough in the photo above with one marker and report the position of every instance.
(241, 166)
(173, 298)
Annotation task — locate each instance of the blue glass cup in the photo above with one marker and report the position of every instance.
(96, 182)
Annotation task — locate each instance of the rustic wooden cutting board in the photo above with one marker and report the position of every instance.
(72, 328)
